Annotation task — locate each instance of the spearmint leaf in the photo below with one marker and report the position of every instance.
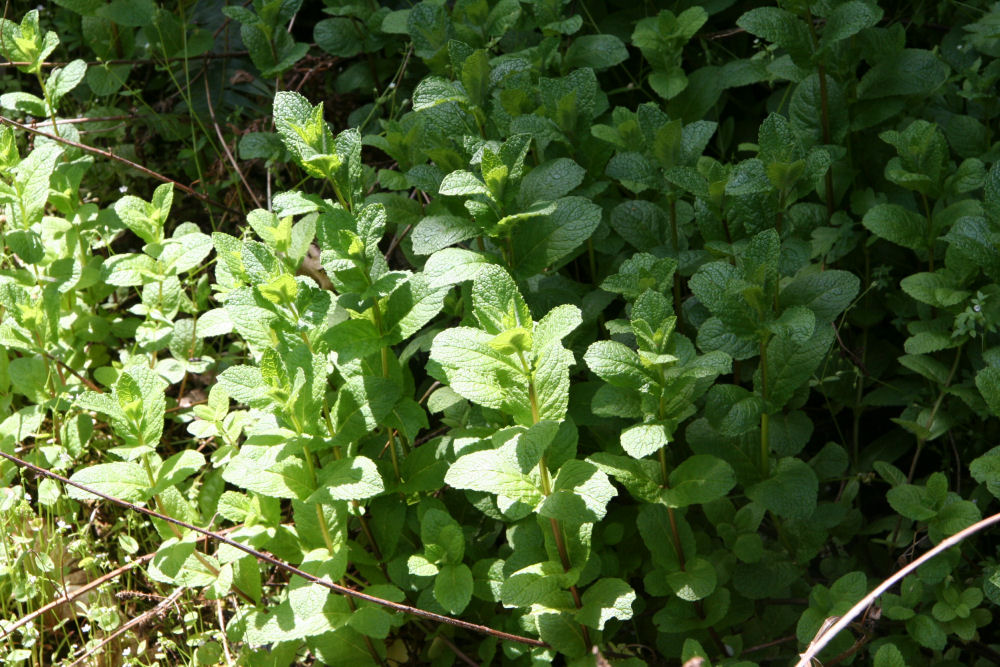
(849, 19)
(477, 371)
(556, 325)
(142, 387)
(463, 183)
(889, 656)
(733, 410)
(245, 384)
(641, 223)
(443, 535)
(909, 72)
(911, 502)
(580, 494)
(640, 477)
(435, 232)
(411, 305)
(695, 582)
(550, 180)
(270, 470)
(790, 492)
(596, 51)
(454, 265)
(934, 289)
(64, 79)
(986, 470)
(498, 303)
(252, 318)
(453, 587)
(532, 443)
(780, 27)
(551, 239)
(698, 480)
(551, 376)
(352, 478)
(617, 365)
(177, 468)
(988, 384)
(791, 364)
(435, 90)
(126, 481)
(530, 584)
(641, 440)
(488, 471)
(606, 599)
(826, 293)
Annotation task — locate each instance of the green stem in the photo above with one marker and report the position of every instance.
(765, 446)
(824, 110)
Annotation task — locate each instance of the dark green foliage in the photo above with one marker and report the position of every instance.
(665, 329)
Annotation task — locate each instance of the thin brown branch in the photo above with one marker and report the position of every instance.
(825, 637)
(111, 156)
(225, 146)
(291, 569)
(69, 597)
(142, 619)
(133, 61)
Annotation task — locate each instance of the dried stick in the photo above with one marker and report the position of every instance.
(336, 588)
(69, 597)
(824, 637)
(225, 146)
(138, 620)
(111, 156)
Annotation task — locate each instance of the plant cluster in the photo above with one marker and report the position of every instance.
(624, 333)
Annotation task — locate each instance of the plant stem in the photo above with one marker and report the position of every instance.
(765, 444)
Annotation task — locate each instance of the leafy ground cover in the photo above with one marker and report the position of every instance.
(515, 332)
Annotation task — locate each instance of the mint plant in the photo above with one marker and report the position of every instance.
(498, 333)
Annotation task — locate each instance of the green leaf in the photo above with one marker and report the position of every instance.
(934, 289)
(554, 237)
(491, 472)
(177, 468)
(790, 492)
(790, 364)
(125, 481)
(826, 293)
(498, 303)
(889, 656)
(988, 383)
(849, 19)
(695, 582)
(434, 90)
(463, 184)
(442, 536)
(551, 380)
(606, 599)
(245, 384)
(269, 469)
(352, 478)
(64, 79)
(909, 72)
(453, 587)
(698, 480)
(338, 37)
(435, 232)
(617, 365)
(580, 494)
(641, 440)
(595, 51)
(550, 181)
(411, 305)
(780, 27)
(478, 372)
